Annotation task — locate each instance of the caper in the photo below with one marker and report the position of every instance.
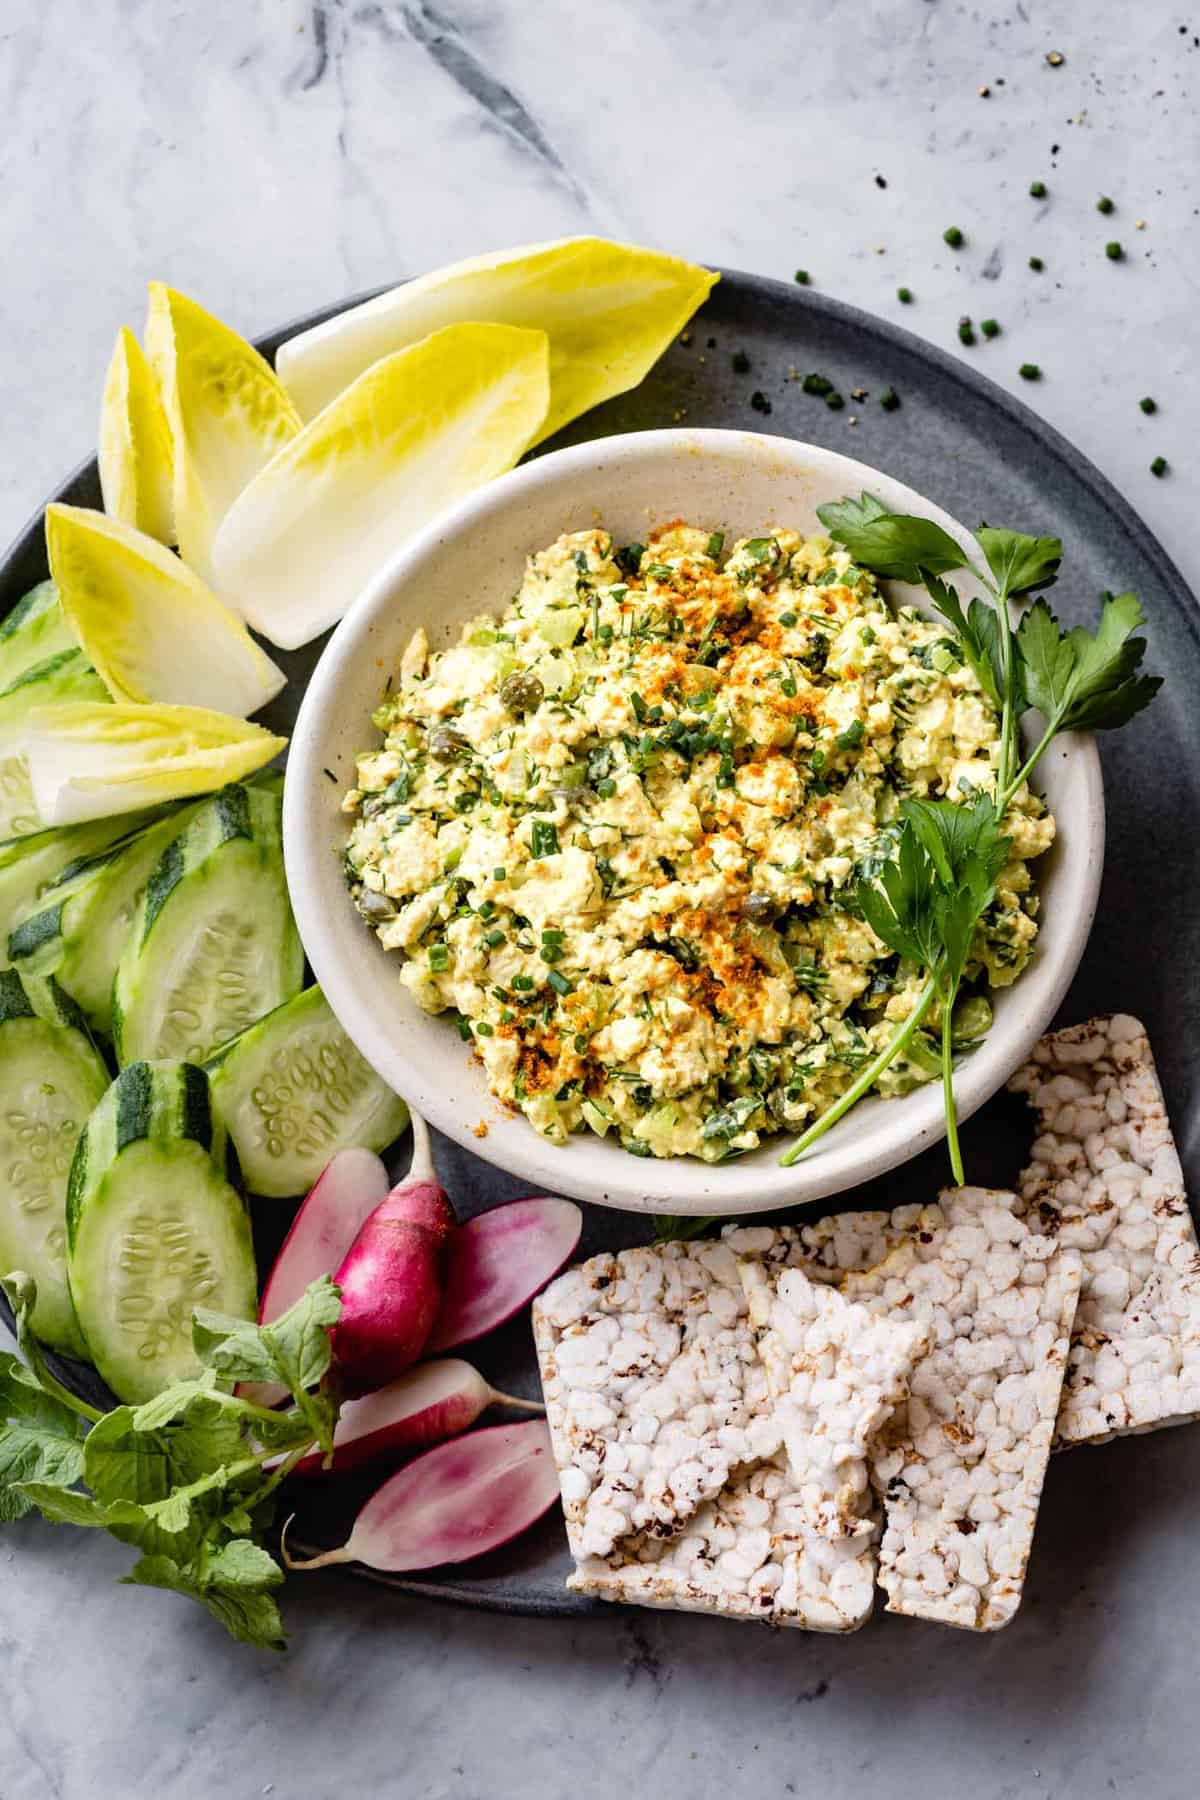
(760, 908)
(522, 692)
(375, 907)
(446, 744)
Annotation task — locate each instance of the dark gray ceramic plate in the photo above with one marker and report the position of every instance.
(981, 455)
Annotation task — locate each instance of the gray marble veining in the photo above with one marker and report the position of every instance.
(269, 156)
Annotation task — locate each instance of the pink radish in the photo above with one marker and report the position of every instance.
(455, 1502)
(392, 1277)
(499, 1261)
(435, 1401)
(348, 1189)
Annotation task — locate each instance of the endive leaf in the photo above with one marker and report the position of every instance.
(135, 444)
(418, 431)
(150, 627)
(227, 412)
(610, 311)
(90, 761)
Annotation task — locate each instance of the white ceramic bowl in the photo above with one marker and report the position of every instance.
(472, 557)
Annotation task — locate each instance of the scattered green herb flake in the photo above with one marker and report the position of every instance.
(1113, 251)
(889, 399)
(1159, 466)
(904, 295)
(715, 544)
(820, 385)
(966, 331)
(953, 236)
(559, 982)
(834, 402)
(1036, 264)
(1148, 404)
(1105, 205)
(1029, 372)
(801, 277)
(759, 402)
(990, 327)
(1038, 190)
(740, 362)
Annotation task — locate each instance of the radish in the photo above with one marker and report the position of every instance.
(348, 1189)
(499, 1261)
(392, 1277)
(435, 1401)
(455, 1502)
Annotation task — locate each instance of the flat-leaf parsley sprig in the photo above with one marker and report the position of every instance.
(928, 899)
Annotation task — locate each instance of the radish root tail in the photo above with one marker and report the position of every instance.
(309, 1562)
(421, 1167)
(518, 1405)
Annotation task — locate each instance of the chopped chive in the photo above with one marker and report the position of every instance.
(606, 788)
(817, 384)
(1159, 466)
(1148, 404)
(801, 277)
(543, 838)
(522, 984)
(966, 331)
(990, 327)
(904, 296)
(483, 1029)
(889, 399)
(852, 737)
(463, 1026)
(1038, 190)
(715, 544)
(439, 958)
(759, 402)
(1036, 264)
(953, 236)
(1114, 251)
(495, 938)
(787, 618)
(740, 362)
(499, 873)
(1105, 205)
(1029, 372)
(559, 982)
(834, 402)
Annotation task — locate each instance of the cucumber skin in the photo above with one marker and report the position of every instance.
(154, 1133)
(161, 1101)
(68, 935)
(30, 866)
(59, 1028)
(36, 628)
(243, 1067)
(239, 815)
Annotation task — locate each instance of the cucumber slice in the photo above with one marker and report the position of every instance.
(51, 1076)
(79, 928)
(293, 1091)
(35, 629)
(154, 1228)
(64, 677)
(29, 865)
(214, 945)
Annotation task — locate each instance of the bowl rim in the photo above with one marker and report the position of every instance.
(579, 1168)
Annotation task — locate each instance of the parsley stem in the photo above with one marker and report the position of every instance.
(867, 1079)
(1027, 768)
(956, 1161)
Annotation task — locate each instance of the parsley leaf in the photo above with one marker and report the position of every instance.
(42, 1440)
(1086, 682)
(896, 545)
(1020, 563)
(978, 632)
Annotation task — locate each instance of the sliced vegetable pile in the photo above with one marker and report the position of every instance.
(159, 1053)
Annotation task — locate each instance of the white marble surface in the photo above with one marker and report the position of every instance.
(271, 156)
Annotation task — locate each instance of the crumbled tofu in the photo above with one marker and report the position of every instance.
(836, 1372)
(1105, 1178)
(654, 1392)
(960, 1465)
(747, 1554)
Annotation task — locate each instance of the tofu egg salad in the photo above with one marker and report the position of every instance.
(617, 833)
